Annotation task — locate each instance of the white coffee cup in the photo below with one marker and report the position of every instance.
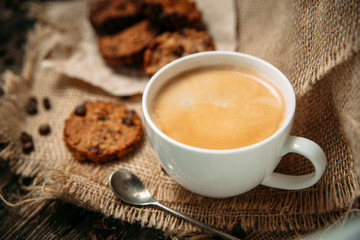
(226, 173)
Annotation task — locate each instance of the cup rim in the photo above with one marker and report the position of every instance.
(287, 121)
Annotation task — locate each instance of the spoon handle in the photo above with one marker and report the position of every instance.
(196, 222)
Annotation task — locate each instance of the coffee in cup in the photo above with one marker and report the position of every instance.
(218, 107)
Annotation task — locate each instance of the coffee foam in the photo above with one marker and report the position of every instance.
(218, 108)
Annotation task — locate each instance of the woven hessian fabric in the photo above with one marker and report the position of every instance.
(314, 43)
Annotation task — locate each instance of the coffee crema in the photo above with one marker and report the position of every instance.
(218, 108)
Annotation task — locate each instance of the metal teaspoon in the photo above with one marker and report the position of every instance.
(128, 187)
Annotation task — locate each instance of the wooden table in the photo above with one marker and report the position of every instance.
(56, 219)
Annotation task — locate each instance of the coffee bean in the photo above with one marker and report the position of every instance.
(44, 129)
(27, 143)
(128, 121)
(31, 106)
(2, 92)
(46, 103)
(28, 147)
(25, 137)
(80, 110)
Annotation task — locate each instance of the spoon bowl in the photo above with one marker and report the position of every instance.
(129, 188)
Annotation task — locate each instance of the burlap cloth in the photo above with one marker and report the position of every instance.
(314, 43)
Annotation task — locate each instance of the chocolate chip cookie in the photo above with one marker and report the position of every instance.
(127, 46)
(173, 14)
(102, 131)
(170, 46)
(110, 16)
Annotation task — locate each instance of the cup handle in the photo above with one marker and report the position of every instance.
(308, 149)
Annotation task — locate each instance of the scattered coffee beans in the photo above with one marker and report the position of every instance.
(44, 129)
(31, 108)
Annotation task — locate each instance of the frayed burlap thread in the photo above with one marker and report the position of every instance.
(315, 44)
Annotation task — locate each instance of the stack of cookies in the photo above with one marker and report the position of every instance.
(150, 33)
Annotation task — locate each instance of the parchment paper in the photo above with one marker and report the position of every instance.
(75, 51)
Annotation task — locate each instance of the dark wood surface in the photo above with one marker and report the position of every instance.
(56, 219)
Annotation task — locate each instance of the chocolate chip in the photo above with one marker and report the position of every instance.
(31, 106)
(103, 117)
(96, 149)
(44, 129)
(178, 51)
(28, 147)
(93, 148)
(130, 113)
(46, 103)
(128, 121)
(206, 44)
(80, 110)
(25, 137)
